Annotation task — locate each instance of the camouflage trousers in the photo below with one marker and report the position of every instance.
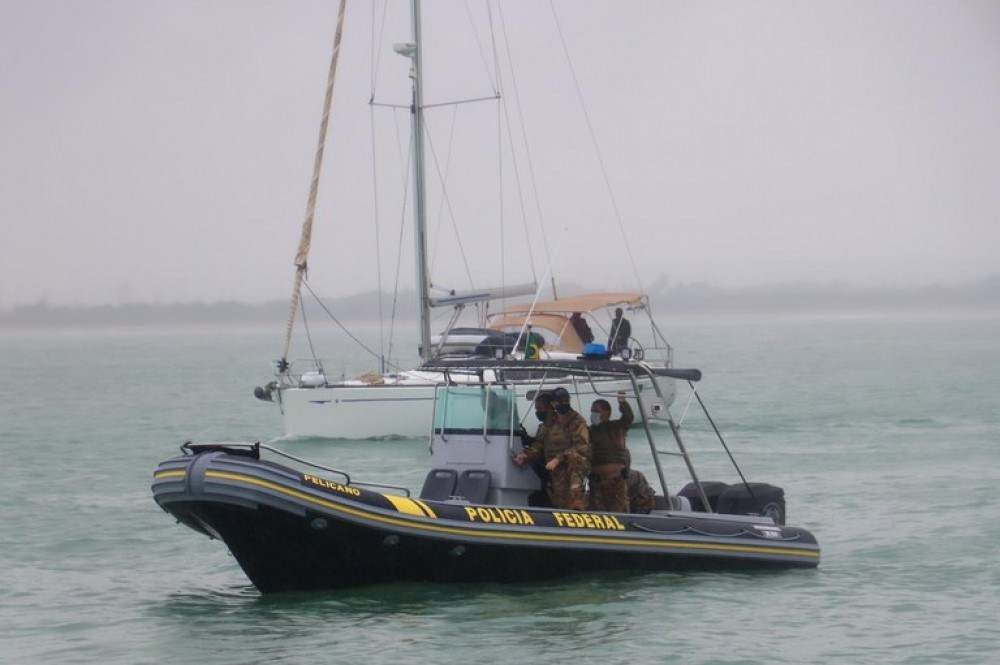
(567, 487)
(609, 492)
(640, 494)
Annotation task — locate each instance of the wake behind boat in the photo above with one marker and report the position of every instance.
(476, 517)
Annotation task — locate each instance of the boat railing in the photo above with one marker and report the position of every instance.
(188, 447)
(587, 370)
(654, 353)
(634, 372)
(296, 367)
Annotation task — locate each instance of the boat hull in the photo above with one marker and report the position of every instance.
(404, 410)
(294, 531)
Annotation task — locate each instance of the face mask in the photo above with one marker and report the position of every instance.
(562, 408)
(595, 418)
(541, 415)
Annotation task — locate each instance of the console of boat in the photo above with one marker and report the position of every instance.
(298, 525)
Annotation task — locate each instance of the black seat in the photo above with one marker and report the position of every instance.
(473, 485)
(439, 485)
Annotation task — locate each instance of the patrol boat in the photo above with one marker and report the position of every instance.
(298, 525)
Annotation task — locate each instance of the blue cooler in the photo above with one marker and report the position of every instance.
(594, 350)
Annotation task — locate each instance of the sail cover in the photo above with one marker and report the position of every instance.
(302, 253)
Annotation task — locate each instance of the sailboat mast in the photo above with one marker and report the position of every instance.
(419, 208)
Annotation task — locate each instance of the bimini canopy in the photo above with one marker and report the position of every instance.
(587, 302)
(551, 318)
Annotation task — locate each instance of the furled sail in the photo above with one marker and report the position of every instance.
(302, 255)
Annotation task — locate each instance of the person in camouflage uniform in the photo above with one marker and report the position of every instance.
(608, 490)
(545, 413)
(641, 497)
(563, 441)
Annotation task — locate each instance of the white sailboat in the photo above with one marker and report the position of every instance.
(384, 403)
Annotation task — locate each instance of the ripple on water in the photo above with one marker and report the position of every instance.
(887, 453)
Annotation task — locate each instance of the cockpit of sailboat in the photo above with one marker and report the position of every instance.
(552, 319)
(552, 324)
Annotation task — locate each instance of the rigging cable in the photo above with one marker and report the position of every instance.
(597, 148)
(517, 170)
(447, 171)
(378, 245)
(333, 318)
(531, 309)
(721, 440)
(375, 209)
(312, 349)
(520, 190)
(447, 199)
(479, 43)
(500, 106)
(402, 226)
(376, 52)
(527, 150)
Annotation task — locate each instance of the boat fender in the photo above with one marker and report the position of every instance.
(680, 503)
(312, 380)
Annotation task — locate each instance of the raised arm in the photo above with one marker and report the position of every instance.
(628, 417)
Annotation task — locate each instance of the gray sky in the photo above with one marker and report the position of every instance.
(162, 150)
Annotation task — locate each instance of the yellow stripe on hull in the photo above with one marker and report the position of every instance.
(427, 509)
(409, 506)
(174, 473)
(501, 535)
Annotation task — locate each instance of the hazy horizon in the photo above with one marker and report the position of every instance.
(980, 296)
(160, 152)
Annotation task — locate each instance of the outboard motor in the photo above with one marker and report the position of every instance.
(766, 500)
(713, 490)
(265, 393)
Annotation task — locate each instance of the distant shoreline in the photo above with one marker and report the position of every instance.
(691, 299)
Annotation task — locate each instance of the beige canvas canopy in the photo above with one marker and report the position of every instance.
(553, 316)
(587, 302)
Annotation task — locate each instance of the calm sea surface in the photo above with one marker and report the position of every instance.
(884, 432)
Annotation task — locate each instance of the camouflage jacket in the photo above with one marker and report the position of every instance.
(608, 439)
(571, 442)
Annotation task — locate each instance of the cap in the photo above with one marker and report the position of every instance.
(560, 394)
(544, 396)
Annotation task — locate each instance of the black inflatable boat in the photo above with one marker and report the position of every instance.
(299, 525)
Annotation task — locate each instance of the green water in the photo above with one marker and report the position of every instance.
(884, 433)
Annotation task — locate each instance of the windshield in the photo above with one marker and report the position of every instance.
(469, 408)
